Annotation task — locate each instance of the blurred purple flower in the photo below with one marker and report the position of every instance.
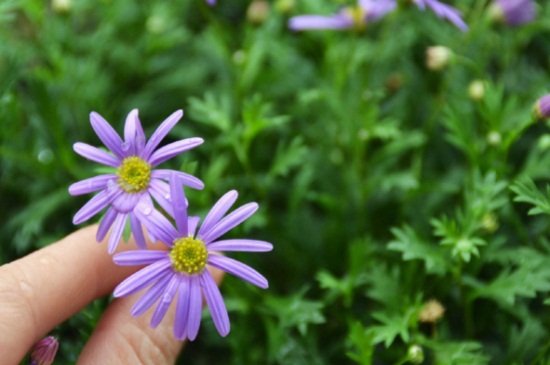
(135, 180)
(43, 352)
(211, 2)
(182, 270)
(514, 12)
(542, 107)
(443, 11)
(365, 12)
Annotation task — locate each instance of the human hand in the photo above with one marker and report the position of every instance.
(41, 290)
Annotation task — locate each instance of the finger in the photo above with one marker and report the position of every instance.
(120, 338)
(50, 285)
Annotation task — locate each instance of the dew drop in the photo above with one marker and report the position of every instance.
(125, 146)
(166, 298)
(167, 196)
(146, 210)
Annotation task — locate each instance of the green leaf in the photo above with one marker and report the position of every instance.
(458, 353)
(393, 325)
(527, 192)
(413, 248)
(360, 341)
(524, 281)
(295, 311)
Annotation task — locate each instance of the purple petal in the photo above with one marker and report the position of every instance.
(238, 269)
(308, 22)
(152, 294)
(376, 9)
(444, 11)
(142, 278)
(129, 146)
(182, 310)
(188, 180)
(95, 154)
(160, 133)
(218, 211)
(107, 134)
(116, 232)
(161, 193)
(179, 203)
(229, 222)
(215, 303)
(137, 231)
(195, 307)
(173, 149)
(106, 223)
(165, 301)
(240, 245)
(192, 223)
(126, 202)
(92, 207)
(139, 257)
(91, 185)
(156, 224)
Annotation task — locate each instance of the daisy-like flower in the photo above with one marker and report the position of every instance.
(182, 270)
(43, 352)
(366, 11)
(135, 180)
(443, 11)
(513, 12)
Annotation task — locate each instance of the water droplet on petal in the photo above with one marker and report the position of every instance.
(167, 196)
(125, 146)
(166, 298)
(146, 210)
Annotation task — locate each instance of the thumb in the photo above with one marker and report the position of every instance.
(120, 338)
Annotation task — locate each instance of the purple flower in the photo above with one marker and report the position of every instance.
(211, 2)
(365, 12)
(443, 11)
(135, 181)
(43, 352)
(542, 107)
(514, 12)
(182, 270)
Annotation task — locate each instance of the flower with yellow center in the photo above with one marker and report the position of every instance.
(182, 271)
(135, 180)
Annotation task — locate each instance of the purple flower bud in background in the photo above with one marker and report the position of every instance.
(512, 12)
(43, 352)
(542, 107)
(211, 2)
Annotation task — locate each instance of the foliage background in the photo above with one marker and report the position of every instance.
(382, 184)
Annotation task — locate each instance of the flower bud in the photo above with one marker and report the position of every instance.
(415, 354)
(512, 12)
(476, 90)
(257, 12)
(438, 57)
(542, 107)
(431, 312)
(43, 352)
(61, 6)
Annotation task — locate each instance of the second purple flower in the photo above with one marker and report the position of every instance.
(135, 180)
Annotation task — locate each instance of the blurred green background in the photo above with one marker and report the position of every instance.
(381, 184)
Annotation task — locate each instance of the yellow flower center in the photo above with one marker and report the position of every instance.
(134, 174)
(357, 14)
(188, 255)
